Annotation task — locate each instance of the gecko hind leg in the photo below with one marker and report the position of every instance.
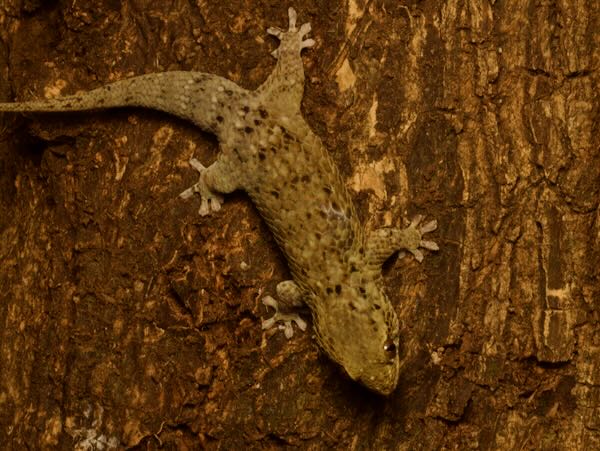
(422, 229)
(210, 199)
(290, 296)
(383, 242)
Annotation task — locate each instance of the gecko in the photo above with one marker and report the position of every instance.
(268, 150)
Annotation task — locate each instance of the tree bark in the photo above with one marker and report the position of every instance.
(128, 321)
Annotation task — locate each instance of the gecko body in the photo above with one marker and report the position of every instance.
(269, 151)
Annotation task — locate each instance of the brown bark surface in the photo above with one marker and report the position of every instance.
(128, 321)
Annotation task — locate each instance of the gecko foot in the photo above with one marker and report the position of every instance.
(210, 200)
(422, 230)
(285, 318)
(293, 34)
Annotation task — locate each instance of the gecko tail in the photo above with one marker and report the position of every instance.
(195, 96)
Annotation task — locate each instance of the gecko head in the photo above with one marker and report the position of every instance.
(358, 328)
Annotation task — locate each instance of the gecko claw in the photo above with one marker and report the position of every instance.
(304, 29)
(431, 245)
(307, 43)
(275, 31)
(417, 254)
(429, 227)
(208, 205)
(414, 222)
(292, 16)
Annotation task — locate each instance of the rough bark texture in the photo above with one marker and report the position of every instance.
(128, 321)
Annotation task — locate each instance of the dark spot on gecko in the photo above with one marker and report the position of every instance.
(220, 118)
(322, 214)
(239, 155)
(273, 149)
(228, 92)
(108, 87)
(261, 156)
(371, 321)
(257, 122)
(275, 194)
(295, 180)
(338, 289)
(306, 178)
(128, 98)
(308, 215)
(68, 104)
(353, 269)
(245, 108)
(335, 206)
(327, 190)
(329, 290)
(263, 113)
(377, 306)
(248, 129)
(352, 306)
(361, 251)
(318, 236)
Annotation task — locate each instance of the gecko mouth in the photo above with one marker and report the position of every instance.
(383, 384)
(379, 388)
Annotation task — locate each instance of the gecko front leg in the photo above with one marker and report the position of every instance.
(291, 296)
(283, 89)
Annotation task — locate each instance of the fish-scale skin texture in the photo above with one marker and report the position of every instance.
(269, 151)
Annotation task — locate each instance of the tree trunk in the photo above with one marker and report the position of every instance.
(131, 322)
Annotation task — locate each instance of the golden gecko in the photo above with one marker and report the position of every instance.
(269, 151)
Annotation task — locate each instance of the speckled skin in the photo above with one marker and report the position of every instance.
(269, 151)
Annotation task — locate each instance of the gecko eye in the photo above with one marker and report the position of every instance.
(390, 348)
